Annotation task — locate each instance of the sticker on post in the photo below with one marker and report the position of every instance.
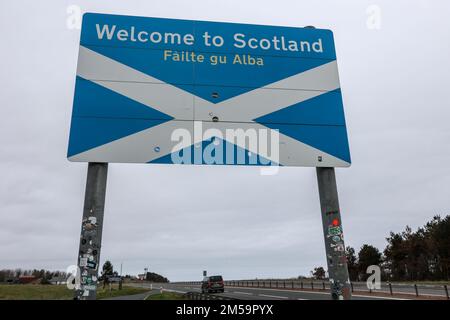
(83, 262)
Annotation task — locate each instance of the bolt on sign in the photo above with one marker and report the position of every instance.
(152, 90)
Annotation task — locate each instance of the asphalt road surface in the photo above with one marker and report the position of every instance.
(260, 293)
(139, 296)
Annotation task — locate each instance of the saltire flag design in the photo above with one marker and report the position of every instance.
(130, 97)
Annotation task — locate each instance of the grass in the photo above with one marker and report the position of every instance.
(34, 292)
(166, 296)
(58, 292)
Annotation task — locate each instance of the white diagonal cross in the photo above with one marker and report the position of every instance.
(167, 99)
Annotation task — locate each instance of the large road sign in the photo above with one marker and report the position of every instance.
(152, 90)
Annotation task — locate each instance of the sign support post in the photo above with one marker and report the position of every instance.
(333, 234)
(91, 231)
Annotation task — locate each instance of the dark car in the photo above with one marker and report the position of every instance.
(212, 284)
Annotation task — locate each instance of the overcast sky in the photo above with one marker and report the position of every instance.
(178, 221)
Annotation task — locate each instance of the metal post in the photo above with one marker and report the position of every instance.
(390, 288)
(446, 291)
(333, 234)
(417, 291)
(91, 230)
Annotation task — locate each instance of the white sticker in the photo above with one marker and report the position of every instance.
(83, 262)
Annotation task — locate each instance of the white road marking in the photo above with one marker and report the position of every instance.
(239, 292)
(270, 296)
(145, 298)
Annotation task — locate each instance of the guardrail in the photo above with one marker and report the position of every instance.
(387, 288)
(204, 296)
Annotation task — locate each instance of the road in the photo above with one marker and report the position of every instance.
(242, 293)
(139, 296)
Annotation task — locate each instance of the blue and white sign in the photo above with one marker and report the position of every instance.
(152, 90)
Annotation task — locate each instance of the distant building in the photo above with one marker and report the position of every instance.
(141, 276)
(26, 279)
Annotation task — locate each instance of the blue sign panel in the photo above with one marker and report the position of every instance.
(152, 90)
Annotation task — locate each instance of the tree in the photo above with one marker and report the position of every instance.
(107, 269)
(154, 277)
(395, 256)
(437, 233)
(352, 264)
(420, 255)
(319, 273)
(368, 255)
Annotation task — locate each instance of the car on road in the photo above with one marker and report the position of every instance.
(212, 284)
